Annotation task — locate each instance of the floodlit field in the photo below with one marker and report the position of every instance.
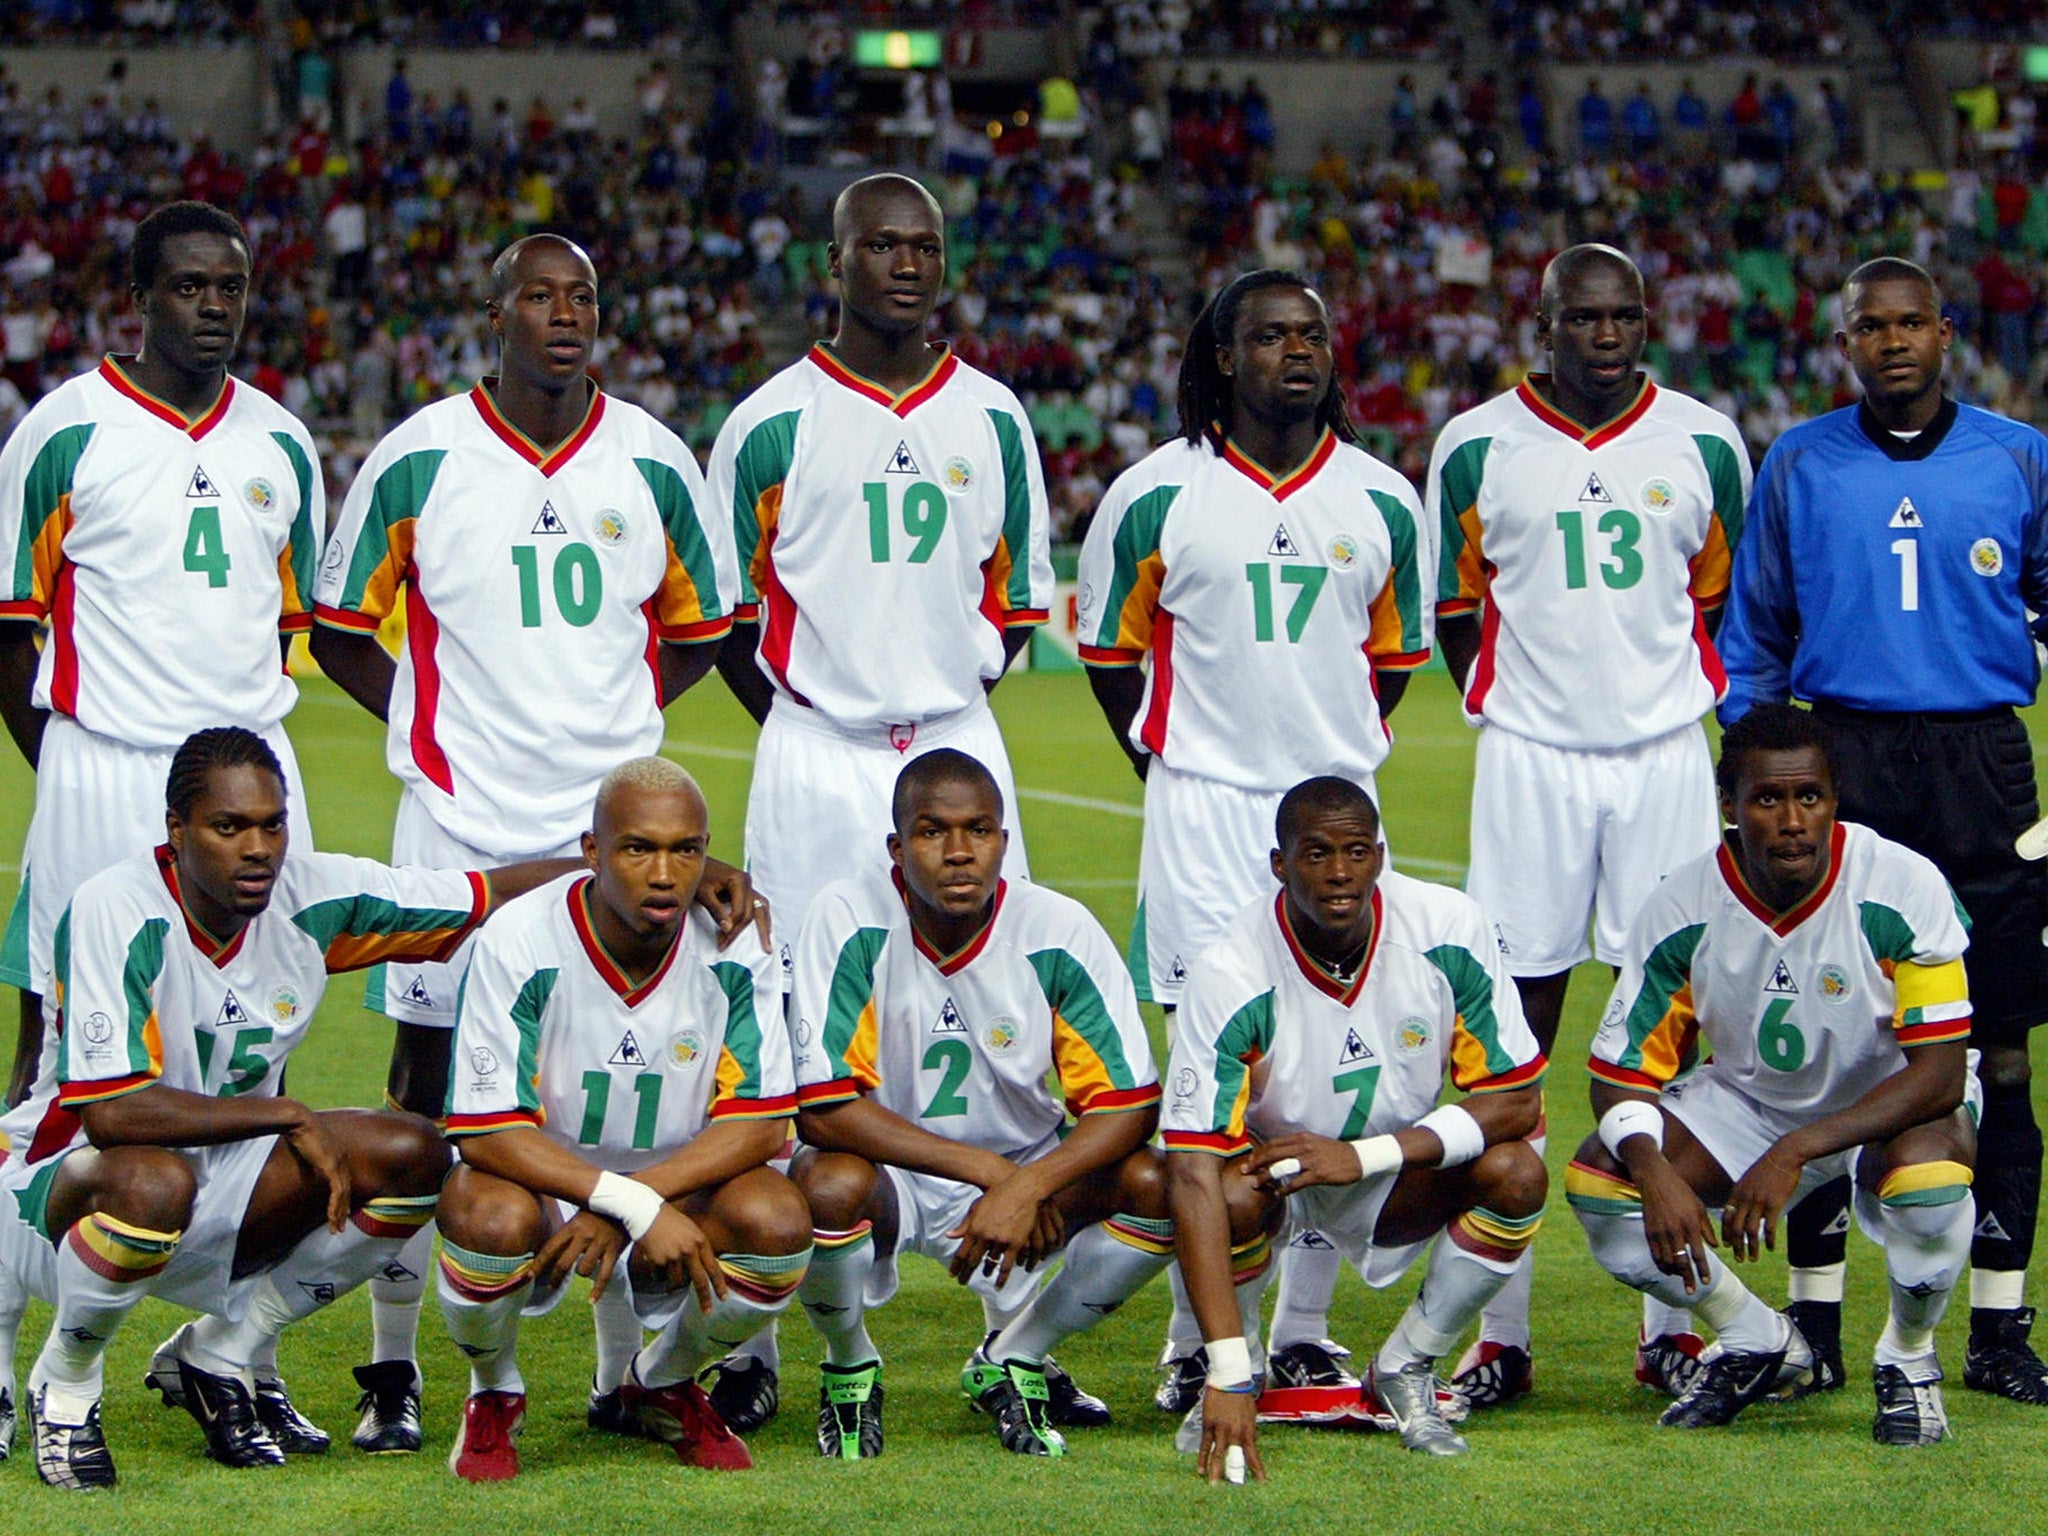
(1583, 1454)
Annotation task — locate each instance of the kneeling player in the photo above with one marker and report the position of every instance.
(156, 1155)
(931, 1003)
(1326, 1022)
(1821, 966)
(619, 1087)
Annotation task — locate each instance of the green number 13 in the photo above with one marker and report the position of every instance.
(1624, 566)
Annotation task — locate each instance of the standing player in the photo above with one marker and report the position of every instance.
(157, 1156)
(890, 517)
(165, 519)
(1271, 573)
(621, 1088)
(1591, 514)
(1900, 545)
(931, 1005)
(1313, 1041)
(1821, 966)
(560, 585)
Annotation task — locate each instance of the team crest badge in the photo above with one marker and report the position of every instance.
(609, 526)
(686, 1048)
(957, 475)
(261, 493)
(1658, 495)
(1412, 1037)
(1986, 558)
(1834, 984)
(1001, 1036)
(284, 1004)
(1344, 551)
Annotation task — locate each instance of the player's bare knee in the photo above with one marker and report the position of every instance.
(766, 1213)
(486, 1214)
(837, 1187)
(1251, 1210)
(150, 1187)
(1141, 1185)
(1509, 1178)
(1593, 1154)
(400, 1154)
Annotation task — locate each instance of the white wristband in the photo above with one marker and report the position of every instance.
(1457, 1130)
(1378, 1155)
(1230, 1364)
(627, 1201)
(1631, 1117)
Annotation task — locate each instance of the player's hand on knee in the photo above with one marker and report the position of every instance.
(1301, 1161)
(997, 1231)
(314, 1146)
(676, 1248)
(1678, 1228)
(1230, 1423)
(728, 895)
(587, 1244)
(1750, 1222)
(1048, 1237)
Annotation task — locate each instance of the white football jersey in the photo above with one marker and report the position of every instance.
(1265, 607)
(145, 995)
(537, 587)
(166, 553)
(552, 1034)
(1268, 1042)
(1597, 556)
(885, 542)
(1805, 1010)
(962, 1044)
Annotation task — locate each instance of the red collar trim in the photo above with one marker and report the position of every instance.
(546, 462)
(1600, 436)
(194, 427)
(215, 951)
(1782, 923)
(609, 970)
(967, 953)
(1318, 977)
(902, 404)
(1280, 487)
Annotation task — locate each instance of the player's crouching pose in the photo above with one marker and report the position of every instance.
(156, 1155)
(1821, 965)
(1324, 1023)
(618, 1088)
(931, 1004)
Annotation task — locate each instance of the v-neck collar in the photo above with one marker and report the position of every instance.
(1317, 973)
(609, 970)
(1783, 923)
(194, 427)
(933, 381)
(547, 461)
(217, 952)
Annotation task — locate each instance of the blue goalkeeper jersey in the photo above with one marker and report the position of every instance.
(1884, 573)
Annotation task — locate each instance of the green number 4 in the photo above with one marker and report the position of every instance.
(205, 551)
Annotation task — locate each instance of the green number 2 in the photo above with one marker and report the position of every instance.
(1307, 580)
(923, 515)
(205, 551)
(957, 1061)
(1624, 566)
(578, 584)
(597, 1099)
(1778, 1039)
(1365, 1082)
(246, 1069)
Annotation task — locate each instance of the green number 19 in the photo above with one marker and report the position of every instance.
(923, 515)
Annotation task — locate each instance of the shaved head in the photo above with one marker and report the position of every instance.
(1567, 265)
(643, 776)
(505, 270)
(854, 204)
(1885, 269)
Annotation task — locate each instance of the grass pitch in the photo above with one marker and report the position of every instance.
(1584, 1454)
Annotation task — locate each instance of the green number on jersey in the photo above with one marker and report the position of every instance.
(246, 1069)
(922, 513)
(1365, 1082)
(956, 1060)
(1622, 568)
(1307, 580)
(578, 583)
(1778, 1039)
(205, 551)
(597, 1099)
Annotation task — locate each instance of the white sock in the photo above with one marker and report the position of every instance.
(1183, 1333)
(1105, 1265)
(1505, 1319)
(764, 1347)
(834, 1295)
(1250, 1293)
(1822, 1282)
(1661, 1318)
(618, 1335)
(395, 1296)
(1926, 1249)
(758, 1290)
(104, 1267)
(481, 1296)
(13, 1304)
(1745, 1322)
(1455, 1287)
(1308, 1279)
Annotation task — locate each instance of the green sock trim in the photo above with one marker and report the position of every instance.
(485, 1263)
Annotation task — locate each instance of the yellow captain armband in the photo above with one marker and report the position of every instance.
(1932, 1002)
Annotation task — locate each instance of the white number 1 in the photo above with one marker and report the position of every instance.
(1908, 551)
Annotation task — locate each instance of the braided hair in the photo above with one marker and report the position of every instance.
(222, 746)
(1204, 397)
